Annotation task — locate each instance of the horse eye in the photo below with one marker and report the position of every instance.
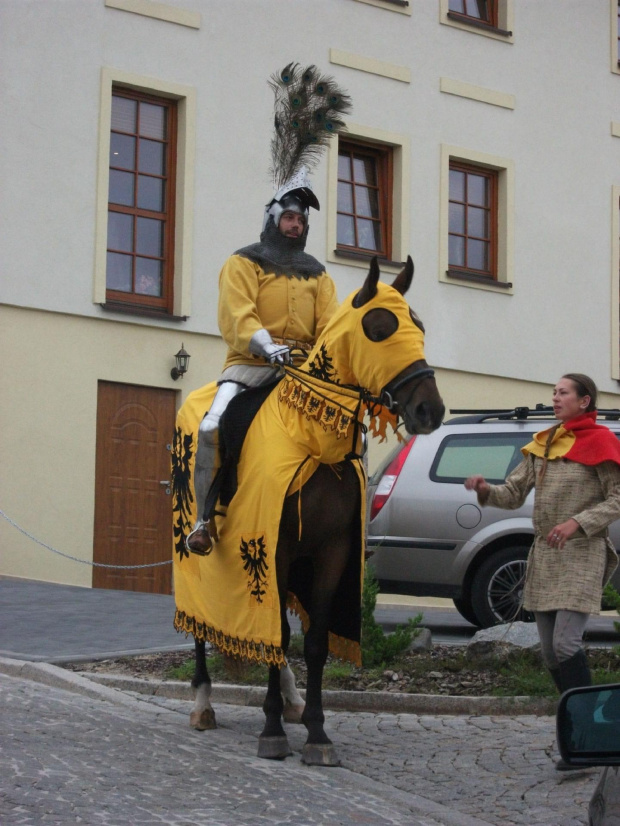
(379, 324)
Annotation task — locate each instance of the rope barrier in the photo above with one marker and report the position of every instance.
(75, 558)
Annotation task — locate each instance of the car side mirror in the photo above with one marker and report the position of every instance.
(588, 726)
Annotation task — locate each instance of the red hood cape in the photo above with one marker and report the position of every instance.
(579, 440)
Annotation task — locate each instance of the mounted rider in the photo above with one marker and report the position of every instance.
(274, 298)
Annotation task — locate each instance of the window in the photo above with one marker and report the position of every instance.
(140, 242)
(166, 168)
(472, 244)
(492, 18)
(364, 199)
(368, 198)
(476, 11)
(494, 456)
(476, 219)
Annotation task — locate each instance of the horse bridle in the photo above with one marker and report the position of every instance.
(387, 397)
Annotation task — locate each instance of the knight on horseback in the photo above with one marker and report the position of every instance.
(274, 301)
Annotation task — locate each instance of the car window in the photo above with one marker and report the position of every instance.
(492, 455)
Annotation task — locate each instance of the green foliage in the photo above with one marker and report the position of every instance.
(377, 647)
(296, 645)
(224, 669)
(524, 676)
(611, 601)
(335, 671)
(182, 672)
(611, 598)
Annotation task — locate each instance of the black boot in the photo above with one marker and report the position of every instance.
(555, 676)
(573, 673)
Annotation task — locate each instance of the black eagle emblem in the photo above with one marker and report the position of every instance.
(322, 366)
(182, 495)
(254, 556)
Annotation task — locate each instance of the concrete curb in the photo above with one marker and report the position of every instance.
(57, 677)
(112, 687)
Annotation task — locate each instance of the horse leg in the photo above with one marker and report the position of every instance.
(293, 701)
(272, 743)
(202, 716)
(318, 749)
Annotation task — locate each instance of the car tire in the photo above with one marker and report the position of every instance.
(463, 606)
(497, 588)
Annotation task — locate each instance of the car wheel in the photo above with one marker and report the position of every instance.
(463, 606)
(497, 588)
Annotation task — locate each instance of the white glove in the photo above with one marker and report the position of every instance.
(261, 344)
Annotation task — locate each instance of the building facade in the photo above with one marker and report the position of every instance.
(484, 141)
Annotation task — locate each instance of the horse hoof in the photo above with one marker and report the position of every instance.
(319, 754)
(292, 713)
(273, 748)
(199, 542)
(203, 720)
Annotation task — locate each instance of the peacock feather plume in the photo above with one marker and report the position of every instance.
(308, 110)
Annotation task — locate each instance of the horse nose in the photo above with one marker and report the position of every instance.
(429, 416)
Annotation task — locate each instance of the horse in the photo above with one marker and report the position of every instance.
(376, 341)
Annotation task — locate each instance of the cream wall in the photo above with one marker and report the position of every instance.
(542, 101)
(557, 136)
(48, 414)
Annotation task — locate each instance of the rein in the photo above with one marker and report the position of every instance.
(357, 393)
(361, 394)
(387, 397)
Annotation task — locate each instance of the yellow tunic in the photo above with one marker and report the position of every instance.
(289, 308)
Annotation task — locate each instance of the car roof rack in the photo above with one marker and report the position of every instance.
(521, 414)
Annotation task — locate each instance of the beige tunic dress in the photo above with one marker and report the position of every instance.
(573, 578)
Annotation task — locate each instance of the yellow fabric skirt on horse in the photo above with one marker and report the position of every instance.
(230, 597)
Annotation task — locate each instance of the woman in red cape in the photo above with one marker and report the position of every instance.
(575, 470)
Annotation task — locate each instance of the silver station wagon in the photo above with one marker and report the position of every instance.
(427, 534)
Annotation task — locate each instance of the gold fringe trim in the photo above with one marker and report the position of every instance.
(341, 647)
(257, 652)
(329, 413)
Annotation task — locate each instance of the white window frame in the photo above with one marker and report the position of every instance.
(401, 148)
(186, 149)
(505, 217)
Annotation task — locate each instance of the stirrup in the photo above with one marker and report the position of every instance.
(199, 540)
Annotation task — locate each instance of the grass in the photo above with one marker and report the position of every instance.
(444, 670)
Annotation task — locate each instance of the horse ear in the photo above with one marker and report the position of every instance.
(403, 280)
(369, 288)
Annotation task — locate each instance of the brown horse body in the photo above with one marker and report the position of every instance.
(329, 507)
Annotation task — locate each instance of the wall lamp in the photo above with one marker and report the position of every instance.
(182, 359)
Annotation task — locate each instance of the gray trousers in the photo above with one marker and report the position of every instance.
(561, 633)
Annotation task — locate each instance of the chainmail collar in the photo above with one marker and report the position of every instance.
(280, 255)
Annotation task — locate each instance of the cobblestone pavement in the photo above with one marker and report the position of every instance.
(103, 756)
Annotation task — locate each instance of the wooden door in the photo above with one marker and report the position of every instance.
(133, 509)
